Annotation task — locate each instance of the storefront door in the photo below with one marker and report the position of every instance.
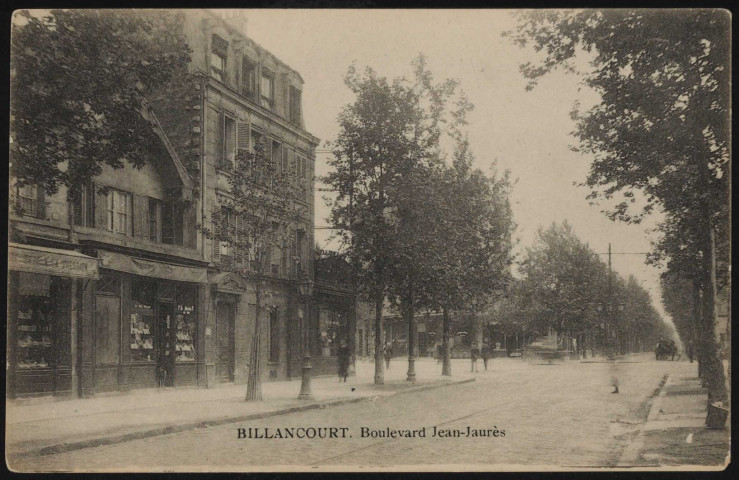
(165, 362)
(225, 342)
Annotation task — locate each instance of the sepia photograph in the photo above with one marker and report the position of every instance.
(382, 240)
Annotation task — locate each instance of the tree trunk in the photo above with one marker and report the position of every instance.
(379, 371)
(446, 368)
(254, 383)
(714, 369)
(412, 338)
(697, 326)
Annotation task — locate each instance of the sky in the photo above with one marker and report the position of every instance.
(527, 133)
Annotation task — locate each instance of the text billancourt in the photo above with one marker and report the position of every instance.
(365, 432)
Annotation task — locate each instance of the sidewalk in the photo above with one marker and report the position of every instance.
(49, 426)
(675, 432)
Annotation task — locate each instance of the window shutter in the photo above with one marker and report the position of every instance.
(267, 259)
(285, 253)
(285, 159)
(101, 209)
(40, 203)
(221, 144)
(238, 249)
(140, 216)
(215, 228)
(242, 136)
(77, 209)
(268, 149)
(178, 214)
(293, 264)
(168, 222)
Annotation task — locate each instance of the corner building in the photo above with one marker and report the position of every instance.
(246, 95)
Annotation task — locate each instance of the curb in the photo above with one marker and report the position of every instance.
(630, 454)
(101, 441)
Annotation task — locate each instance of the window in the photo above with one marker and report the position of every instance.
(82, 205)
(248, 78)
(295, 105)
(274, 336)
(229, 142)
(30, 201)
(217, 66)
(172, 219)
(268, 89)
(256, 138)
(117, 211)
(225, 247)
(218, 54)
(276, 155)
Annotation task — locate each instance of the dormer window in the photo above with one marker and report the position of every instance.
(268, 89)
(218, 56)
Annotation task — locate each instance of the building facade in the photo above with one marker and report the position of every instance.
(119, 289)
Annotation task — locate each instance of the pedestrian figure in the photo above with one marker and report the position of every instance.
(388, 354)
(344, 356)
(439, 352)
(486, 353)
(474, 355)
(689, 350)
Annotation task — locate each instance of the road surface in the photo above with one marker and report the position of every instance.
(562, 415)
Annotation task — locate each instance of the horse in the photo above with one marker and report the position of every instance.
(665, 349)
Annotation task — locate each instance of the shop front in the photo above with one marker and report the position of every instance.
(41, 317)
(333, 324)
(145, 329)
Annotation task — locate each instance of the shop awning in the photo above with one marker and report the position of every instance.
(151, 268)
(51, 261)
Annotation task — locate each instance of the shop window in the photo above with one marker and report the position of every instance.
(329, 330)
(268, 89)
(274, 336)
(295, 105)
(186, 323)
(143, 298)
(248, 78)
(35, 332)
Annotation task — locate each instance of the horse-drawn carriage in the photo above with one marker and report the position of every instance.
(666, 350)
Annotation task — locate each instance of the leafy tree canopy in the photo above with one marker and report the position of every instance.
(79, 83)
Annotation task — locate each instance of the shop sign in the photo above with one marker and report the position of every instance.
(149, 268)
(51, 261)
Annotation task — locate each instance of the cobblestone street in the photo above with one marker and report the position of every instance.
(552, 415)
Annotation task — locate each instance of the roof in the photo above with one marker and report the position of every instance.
(187, 181)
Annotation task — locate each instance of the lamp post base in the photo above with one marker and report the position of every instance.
(305, 387)
(411, 370)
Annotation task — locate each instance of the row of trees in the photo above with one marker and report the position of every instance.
(661, 127)
(564, 288)
(423, 228)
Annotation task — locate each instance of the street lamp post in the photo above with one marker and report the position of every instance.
(305, 287)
